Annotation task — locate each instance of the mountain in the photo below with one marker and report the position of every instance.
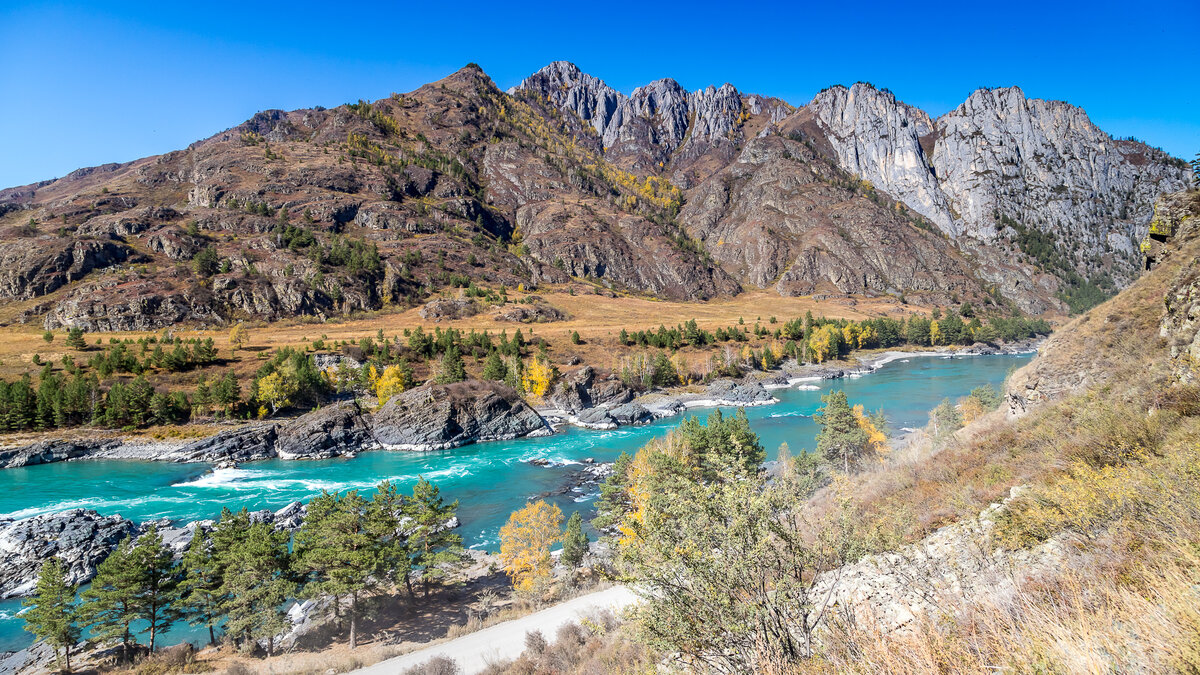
(564, 180)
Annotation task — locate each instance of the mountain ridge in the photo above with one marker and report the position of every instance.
(566, 180)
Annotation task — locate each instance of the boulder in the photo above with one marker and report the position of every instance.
(435, 310)
(79, 538)
(240, 444)
(535, 313)
(442, 416)
(334, 430)
(733, 393)
(585, 388)
(630, 413)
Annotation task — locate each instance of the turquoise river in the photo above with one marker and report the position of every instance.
(490, 480)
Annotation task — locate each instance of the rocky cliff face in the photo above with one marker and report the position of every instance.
(1042, 164)
(781, 215)
(998, 162)
(1143, 336)
(659, 123)
(322, 212)
(437, 417)
(1180, 325)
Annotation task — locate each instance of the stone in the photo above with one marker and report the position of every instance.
(443, 416)
(79, 538)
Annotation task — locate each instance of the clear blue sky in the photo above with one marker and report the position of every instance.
(88, 83)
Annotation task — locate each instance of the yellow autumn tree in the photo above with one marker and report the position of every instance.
(850, 334)
(525, 542)
(867, 336)
(538, 377)
(641, 478)
(276, 391)
(238, 335)
(826, 343)
(935, 333)
(876, 439)
(971, 409)
(390, 383)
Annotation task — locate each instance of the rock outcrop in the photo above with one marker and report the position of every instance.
(585, 388)
(1180, 325)
(443, 416)
(53, 450)
(781, 215)
(1041, 164)
(957, 562)
(730, 393)
(334, 430)
(80, 538)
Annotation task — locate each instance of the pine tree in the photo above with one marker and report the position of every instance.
(393, 563)
(52, 614)
(335, 552)
(76, 340)
(112, 602)
(255, 583)
(158, 584)
(200, 589)
(614, 496)
(575, 542)
(841, 439)
(434, 549)
(493, 367)
(452, 368)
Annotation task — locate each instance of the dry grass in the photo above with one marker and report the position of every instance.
(597, 318)
(597, 645)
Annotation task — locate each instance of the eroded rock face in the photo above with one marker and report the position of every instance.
(45, 452)
(585, 388)
(781, 215)
(625, 250)
(437, 417)
(749, 392)
(449, 309)
(659, 123)
(80, 538)
(894, 590)
(535, 313)
(1041, 163)
(334, 430)
(1180, 325)
(32, 268)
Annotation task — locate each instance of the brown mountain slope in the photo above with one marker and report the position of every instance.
(322, 212)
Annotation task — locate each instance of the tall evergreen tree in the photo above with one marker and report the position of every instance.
(112, 602)
(575, 542)
(200, 590)
(452, 368)
(383, 522)
(434, 549)
(256, 583)
(52, 615)
(841, 439)
(159, 584)
(493, 367)
(335, 552)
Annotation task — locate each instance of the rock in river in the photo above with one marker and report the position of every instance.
(441, 416)
(80, 538)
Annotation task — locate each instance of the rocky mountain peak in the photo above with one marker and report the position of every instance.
(570, 89)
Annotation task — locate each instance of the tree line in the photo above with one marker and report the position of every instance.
(237, 575)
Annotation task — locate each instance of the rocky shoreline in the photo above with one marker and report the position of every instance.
(612, 407)
(440, 417)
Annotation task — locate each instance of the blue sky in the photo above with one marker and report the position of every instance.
(88, 83)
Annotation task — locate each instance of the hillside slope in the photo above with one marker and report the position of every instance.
(563, 180)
